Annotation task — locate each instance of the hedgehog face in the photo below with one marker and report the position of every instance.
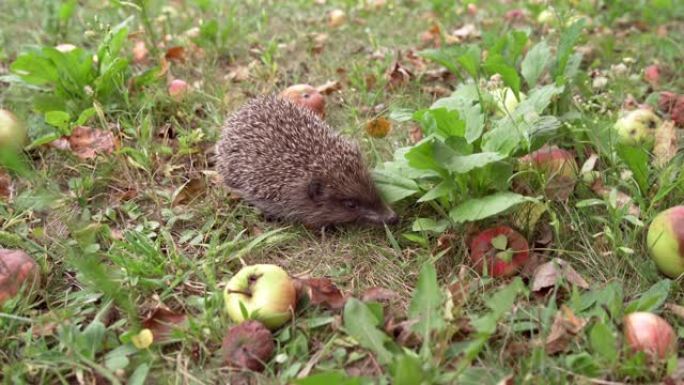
(357, 201)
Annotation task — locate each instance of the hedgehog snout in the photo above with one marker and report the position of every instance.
(384, 216)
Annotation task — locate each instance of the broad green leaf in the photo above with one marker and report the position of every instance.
(446, 57)
(603, 342)
(470, 60)
(421, 156)
(516, 43)
(59, 119)
(408, 370)
(567, 41)
(442, 122)
(429, 224)
(362, 325)
(118, 358)
(583, 363)
(474, 122)
(426, 305)
(652, 299)
(479, 208)
(401, 114)
(394, 193)
(92, 339)
(139, 376)
(502, 301)
(636, 159)
(34, 68)
(442, 189)
(66, 10)
(496, 64)
(466, 163)
(535, 62)
(85, 116)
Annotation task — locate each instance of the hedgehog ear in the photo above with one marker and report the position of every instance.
(315, 189)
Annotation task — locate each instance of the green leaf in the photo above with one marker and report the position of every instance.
(446, 57)
(603, 342)
(401, 114)
(636, 159)
(329, 378)
(500, 242)
(470, 60)
(361, 324)
(422, 157)
(583, 363)
(441, 190)
(496, 64)
(407, 370)
(59, 119)
(34, 68)
(479, 208)
(139, 375)
(85, 116)
(426, 305)
(66, 10)
(429, 224)
(442, 122)
(535, 62)
(464, 164)
(567, 41)
(652, 299)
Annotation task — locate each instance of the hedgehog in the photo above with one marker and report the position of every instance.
(291, 165)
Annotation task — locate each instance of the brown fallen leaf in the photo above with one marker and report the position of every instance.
(675, 309)
(402, 333)
(187, 192)
(329, 87)
(238, 74)
(666, 145)
(248, 345)
(397, 75)
(323, 292)
(6, 185)
(87, 143)
(17, 270)
(432, 36)
(379, 294)
(176, 53)
(467, 32)
(460, 292)
(622, 200)
(161, 321)
(437, 91)
(365, 367)
(415, 134)
(319, 40)
(378, 127)
(566, 325)
(550, 273)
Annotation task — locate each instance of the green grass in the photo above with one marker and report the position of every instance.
(113, 242)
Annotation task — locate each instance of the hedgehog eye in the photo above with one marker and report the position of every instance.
(350, 203)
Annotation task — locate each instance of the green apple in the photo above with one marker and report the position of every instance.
(12, 130)
(506, 101)
(546, 16)
(638, 127)
(665, 241)
(267, 293)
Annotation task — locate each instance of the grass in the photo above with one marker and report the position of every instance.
(117, 235)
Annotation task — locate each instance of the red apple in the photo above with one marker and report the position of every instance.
(665, 241)
(651, 334)
(652, 75)
(502, 249)
(17, 270)
(557, 167)
(307, 96)
(178, 89)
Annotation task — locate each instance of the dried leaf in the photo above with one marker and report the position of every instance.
(238, 74)
(379, 294)
(161, 321)
(319, 41)
(176, 53)
(6, 186)
(189, 191)
(550, 273)
(248, 345)
(378, 127)
(622, 199)
(460, 292)
(365, 367)
(437, 91)
(566, 325)
(666, 145)
(432, 36)
(87, 143)
(467, 32)
(415, 134)
(402, 332)
(322, 292)
(675, 309)
(329, 87)
(398, 75)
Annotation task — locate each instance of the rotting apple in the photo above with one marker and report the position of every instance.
(558, 168)
(12, 130)
(178, 89)
(17, 270)
(637, 127)
(501, 249)
(665, 241)
(266, 292)
(651, 334)
(305, 95)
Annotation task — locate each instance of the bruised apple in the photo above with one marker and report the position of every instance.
(651, 334)
(637, 127)
(557, 167)
(665, 241)
(266, 292)
(305, 95)
(17, 270)
(501, 249)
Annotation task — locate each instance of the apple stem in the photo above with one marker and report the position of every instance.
(240, 292)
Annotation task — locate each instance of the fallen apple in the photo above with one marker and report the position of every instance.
(557, 167)
(501, 249)
(12, 130)
(266, 292)
(305, 95)
(665, 241)
(17, 270)
(337, 18)
(248, 346)
(637, 127)
(178, 89)
(546, 16)
(651, 334)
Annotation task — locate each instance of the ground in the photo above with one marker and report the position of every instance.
(128, 216)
